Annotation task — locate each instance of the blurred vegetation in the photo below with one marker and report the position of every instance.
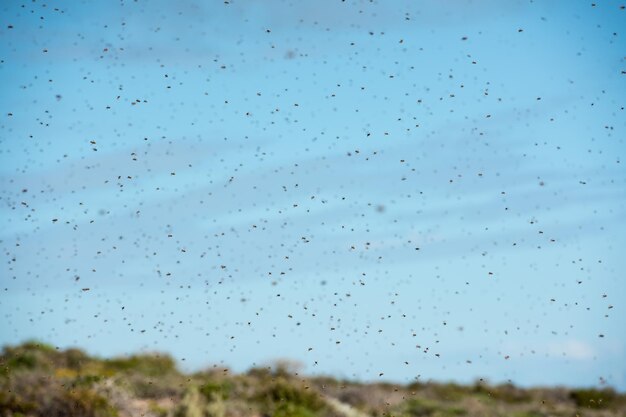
(282, 398)
(38, 380)
(598, 399)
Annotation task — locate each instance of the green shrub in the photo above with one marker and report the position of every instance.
(74, 359)
(14, 404)
(212, 390)
(450, 391)
(283, 399)
(594, 398)
(34, 355)
(86, 380)
(507, 393)
(423, 408)
(292, 410)
(30, 355)
(83, 403)
(149, 365)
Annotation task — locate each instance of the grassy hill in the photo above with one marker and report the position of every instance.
(39, 380)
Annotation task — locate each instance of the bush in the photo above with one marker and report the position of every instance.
(213, 390)
(450, 391)
(149, 365)
(282, 399)
(507, 393)
(81, 403)
(422, 408)
(593, 398)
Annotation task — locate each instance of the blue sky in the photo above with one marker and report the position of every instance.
(429, 190)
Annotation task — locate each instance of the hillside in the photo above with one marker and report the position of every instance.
(39, 380)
